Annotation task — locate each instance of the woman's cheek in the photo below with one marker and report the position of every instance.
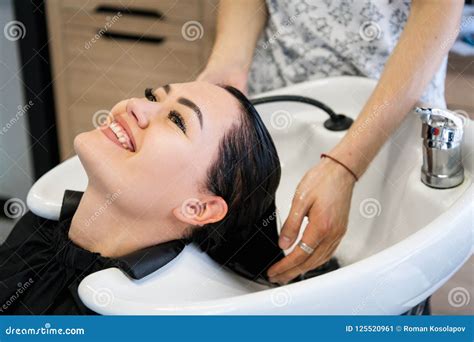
(164, 156)
(163, 176)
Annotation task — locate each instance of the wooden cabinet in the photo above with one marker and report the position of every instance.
(103, 51)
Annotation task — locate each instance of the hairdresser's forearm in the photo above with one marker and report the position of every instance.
(239, 24)
(429, 33)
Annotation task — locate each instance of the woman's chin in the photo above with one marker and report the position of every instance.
(96, 150)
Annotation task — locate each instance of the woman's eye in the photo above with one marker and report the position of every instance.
(177, 119)
(149, 95)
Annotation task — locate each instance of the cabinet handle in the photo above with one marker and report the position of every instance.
(133, 37)
(137, 12)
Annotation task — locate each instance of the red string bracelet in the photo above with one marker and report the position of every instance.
(323, 155)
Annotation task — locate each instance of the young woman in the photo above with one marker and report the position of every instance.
(189, 162)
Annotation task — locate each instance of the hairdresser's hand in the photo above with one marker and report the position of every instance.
(223, 74)
(324, 195)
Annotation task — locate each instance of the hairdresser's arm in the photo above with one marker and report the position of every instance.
(239, 24)
(325, 192)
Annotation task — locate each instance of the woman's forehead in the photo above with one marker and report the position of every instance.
(215, 103)
(205, 92)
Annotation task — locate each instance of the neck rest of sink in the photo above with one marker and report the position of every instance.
(250, 259)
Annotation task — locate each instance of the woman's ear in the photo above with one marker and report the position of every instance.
(201, 212)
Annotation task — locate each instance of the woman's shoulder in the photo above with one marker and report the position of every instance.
(30, 224)
(33, 220)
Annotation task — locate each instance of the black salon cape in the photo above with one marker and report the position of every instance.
(41, 268)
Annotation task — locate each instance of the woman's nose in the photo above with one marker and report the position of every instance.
(141, 110)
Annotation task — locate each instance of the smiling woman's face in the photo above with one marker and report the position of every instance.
(165, 150)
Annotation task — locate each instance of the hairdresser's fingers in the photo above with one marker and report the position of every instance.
(295, 258)
(328, 242)
(323, 233)
(286, 277)
(312, 237)
(292, 225)
(321, 255)
(310, 264)
(325, 252)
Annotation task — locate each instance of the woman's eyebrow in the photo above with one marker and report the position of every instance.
(188, 103)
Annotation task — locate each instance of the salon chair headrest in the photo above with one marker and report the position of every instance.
(70, 203)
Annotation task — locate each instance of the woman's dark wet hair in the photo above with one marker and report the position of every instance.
(246, 174)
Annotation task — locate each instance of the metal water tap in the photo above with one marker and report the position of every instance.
(442, 132)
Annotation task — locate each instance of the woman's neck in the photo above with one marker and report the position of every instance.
(99, 225)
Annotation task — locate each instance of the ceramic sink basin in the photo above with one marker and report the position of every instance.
(404, 239)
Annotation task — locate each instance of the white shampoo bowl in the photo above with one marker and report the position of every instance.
(404, 239)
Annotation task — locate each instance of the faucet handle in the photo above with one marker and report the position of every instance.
(441, 128)
(444, 116)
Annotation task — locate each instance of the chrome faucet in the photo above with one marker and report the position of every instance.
(442, 132)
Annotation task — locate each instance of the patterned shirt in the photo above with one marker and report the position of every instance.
(311, 39)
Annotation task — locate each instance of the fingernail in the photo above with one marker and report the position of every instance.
(284, 242)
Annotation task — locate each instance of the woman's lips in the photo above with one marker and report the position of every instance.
(111, 135)
(122, 122)
(124, 129)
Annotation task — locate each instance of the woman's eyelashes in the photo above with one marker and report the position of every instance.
(178, 120)
(173, 115)
(149, 95)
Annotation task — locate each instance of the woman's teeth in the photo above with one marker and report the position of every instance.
(121, 135)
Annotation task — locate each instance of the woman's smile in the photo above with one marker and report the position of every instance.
(119, 132)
